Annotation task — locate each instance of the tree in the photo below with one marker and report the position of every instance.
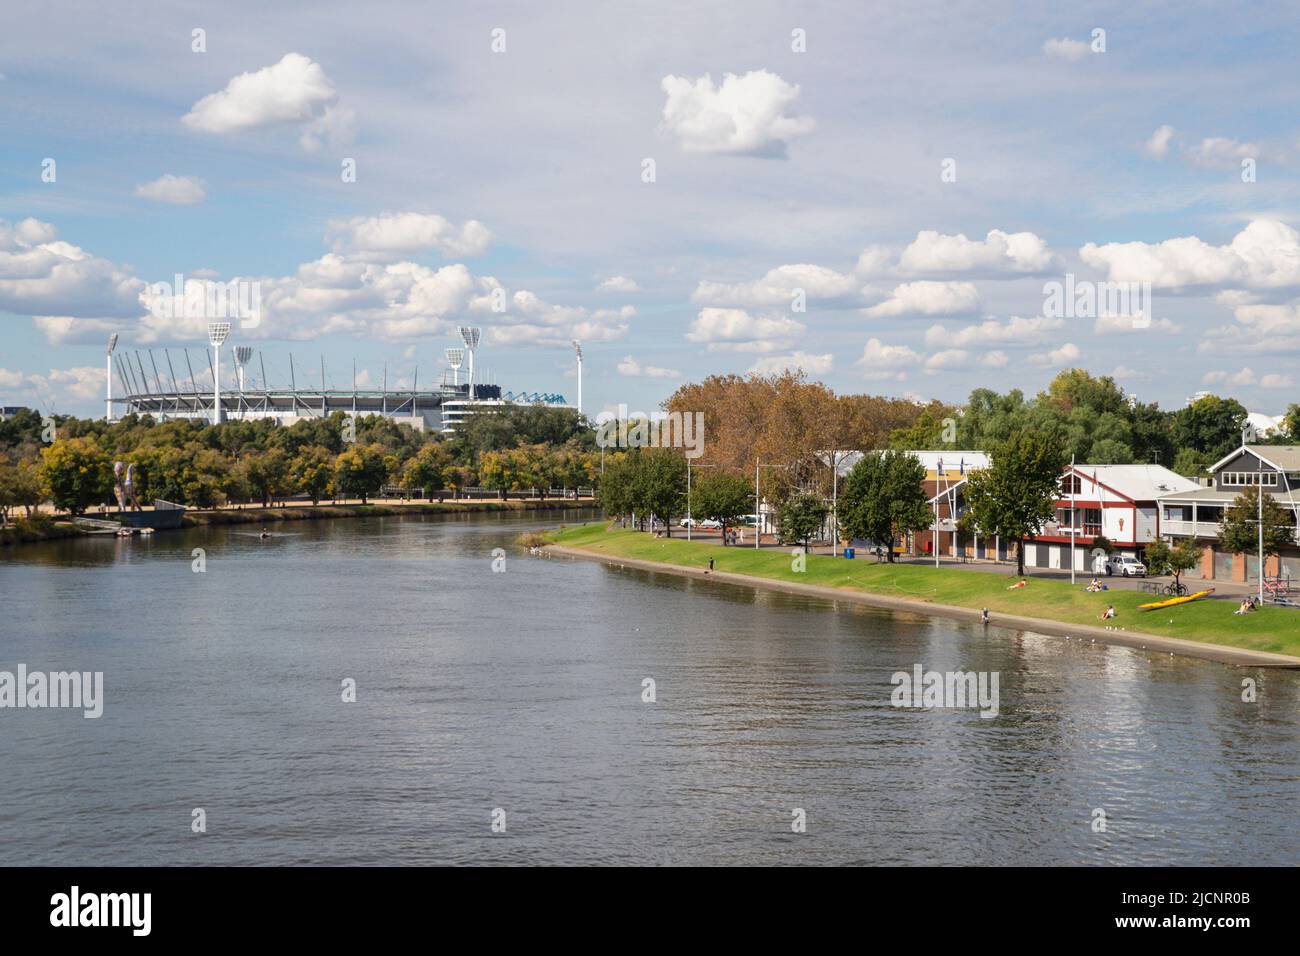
(1239, 533)
(1017, 493)
(264, 475)
(723, 497)
(427, 468)
(77, 472)
(801, 516)
(659, 483)
(360, 471)
(312, 472)
(1212, 425)
(616, 487)
(884, 498)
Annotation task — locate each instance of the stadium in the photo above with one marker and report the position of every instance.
(169, 386)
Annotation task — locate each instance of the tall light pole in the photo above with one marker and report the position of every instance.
(217, 332)
(455, 358)
(577, 348)
(108, 378)
(242, 354)
(470, 336)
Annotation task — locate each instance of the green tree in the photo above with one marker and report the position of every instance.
(884, 498)
(1211, 425)
(801, 517)
(659, 484)
(312, 472)
(427, 468)
(724, 497)
(1017, 493)
(263, 475)
(77, 472)
(360, 471)
(1239, 533)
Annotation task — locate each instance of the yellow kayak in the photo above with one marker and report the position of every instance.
(1174, 601)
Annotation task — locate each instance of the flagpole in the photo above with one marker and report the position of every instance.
(1074, 519)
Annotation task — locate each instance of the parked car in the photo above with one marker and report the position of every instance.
(1125, 566)
(708, 524)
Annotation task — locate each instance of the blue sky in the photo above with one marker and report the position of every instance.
(775, 170)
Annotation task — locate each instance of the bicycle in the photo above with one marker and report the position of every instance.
(1176, 589)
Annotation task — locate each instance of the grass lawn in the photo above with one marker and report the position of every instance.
(1268, 629)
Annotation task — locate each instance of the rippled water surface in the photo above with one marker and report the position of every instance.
(523, 691)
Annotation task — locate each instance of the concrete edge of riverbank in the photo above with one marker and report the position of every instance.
(1235, 656)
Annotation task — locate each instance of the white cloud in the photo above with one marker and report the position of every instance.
(880, 361)
(177, 190)
(995, 359)
(631, 367)
(1274, 380)
(1218, 152)
(1157, 147)
(777, 288)
(1015, 331)
(391, 236)
(618, 284)
(1067, 353)
(1109, 324)
(43, 276)
(1127, 373)
(948, 358)
(77, 384)
(998, 252)
(1265, 254)
(292, 92)
(1241, 379)
(745, 115)
(1066, 49)
(812, 364)
(737, 330)
(928, 298)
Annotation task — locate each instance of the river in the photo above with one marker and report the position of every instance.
(522, 691)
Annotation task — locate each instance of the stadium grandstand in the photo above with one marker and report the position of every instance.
(170, 386)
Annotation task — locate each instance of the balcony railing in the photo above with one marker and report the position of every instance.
(1198, 529)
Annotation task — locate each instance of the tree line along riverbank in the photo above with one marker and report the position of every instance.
(1269, 630)
(47, 528)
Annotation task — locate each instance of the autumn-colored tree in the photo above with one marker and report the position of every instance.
(427, 468)
(1239, 533)
(312, 472)
(360, 471)
(77, 472)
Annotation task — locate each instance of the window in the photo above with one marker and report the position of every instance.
(1243, 479)
(1071, 485)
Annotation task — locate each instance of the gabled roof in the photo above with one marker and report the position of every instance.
(1277, 457)
(1137, 482)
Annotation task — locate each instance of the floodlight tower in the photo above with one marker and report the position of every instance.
(577, 348)
(242, 354)
(108, 378)
(469, 334)
(455, 358)
(217, 332)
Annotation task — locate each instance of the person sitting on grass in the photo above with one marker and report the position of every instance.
(1246, 606)
(1094, 586)
(1109, 613)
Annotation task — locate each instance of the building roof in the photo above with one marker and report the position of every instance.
(956, 462)
(1278, 457)
(1138, 482)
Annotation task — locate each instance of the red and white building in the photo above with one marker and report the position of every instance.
(1117, 502)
